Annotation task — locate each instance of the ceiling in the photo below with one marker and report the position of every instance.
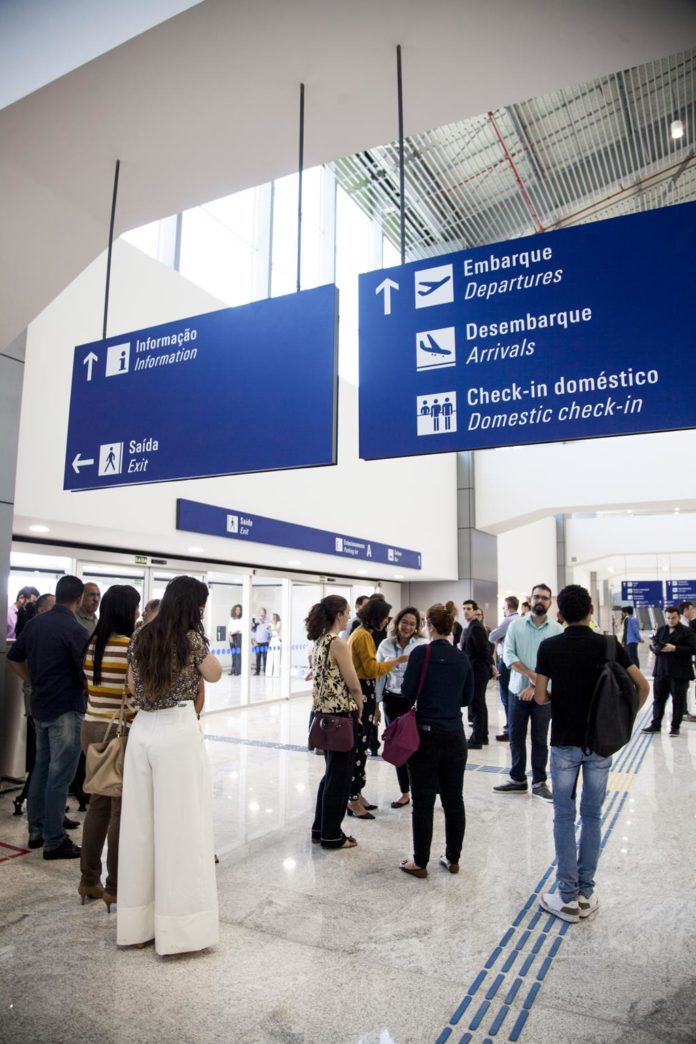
(597, 150)
(206, 103)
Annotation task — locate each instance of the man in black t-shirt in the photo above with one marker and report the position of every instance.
(572, 662)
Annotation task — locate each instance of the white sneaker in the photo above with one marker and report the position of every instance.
(553, 904)
(588, 905)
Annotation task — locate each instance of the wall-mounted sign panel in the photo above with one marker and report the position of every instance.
(240, 525)
(681, 591)
(585, 332)
(238, 390)
(643, 593)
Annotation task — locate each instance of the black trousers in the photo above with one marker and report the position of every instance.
(438, 764)
(362, 735)
(332, 798)
(478, 708)
(394, 707)
(663, 688)
(236, 650)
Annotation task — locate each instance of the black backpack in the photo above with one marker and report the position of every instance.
(613, 707)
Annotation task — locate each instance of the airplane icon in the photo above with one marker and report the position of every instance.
(433, 347)
(427, 287)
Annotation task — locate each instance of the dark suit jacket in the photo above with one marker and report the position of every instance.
(477, 647)
(677, 664)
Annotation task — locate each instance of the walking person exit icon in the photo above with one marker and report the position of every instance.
(111, 458)
(437, 414)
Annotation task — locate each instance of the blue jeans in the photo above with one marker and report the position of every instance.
(520, 712)
(57, 755)
(577, 863)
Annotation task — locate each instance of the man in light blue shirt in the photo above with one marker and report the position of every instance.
(523, 638)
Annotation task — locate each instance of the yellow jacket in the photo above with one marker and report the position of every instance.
(364, 654)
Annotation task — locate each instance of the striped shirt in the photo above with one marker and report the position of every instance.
(104, 700)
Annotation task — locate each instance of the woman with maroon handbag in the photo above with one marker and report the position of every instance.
(438, 764)
(336, 699)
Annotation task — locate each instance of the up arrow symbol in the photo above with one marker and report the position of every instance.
(386, 287)
(89, 361)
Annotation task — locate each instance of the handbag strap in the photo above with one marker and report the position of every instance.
(424, 671)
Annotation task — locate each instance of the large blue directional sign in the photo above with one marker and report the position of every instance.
(642, 592)
(585, 332)
(237, 390)
(241, 525)
(681, 591)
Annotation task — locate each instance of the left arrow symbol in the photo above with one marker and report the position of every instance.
(78, 463)
(89, 361)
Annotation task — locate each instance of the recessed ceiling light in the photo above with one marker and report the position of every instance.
(398, 576)
(362, 572)
(196, 550)
(676, 511)
(665, 568)
(611, 569)
(676, 129)
(39, 529)
(630, 511)
(294, 562)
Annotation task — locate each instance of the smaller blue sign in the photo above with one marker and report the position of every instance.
(681, 591)
(257, 529)
(642, 593)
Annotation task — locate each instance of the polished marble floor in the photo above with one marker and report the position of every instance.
(341, 947)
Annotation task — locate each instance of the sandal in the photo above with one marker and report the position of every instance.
(413, 870)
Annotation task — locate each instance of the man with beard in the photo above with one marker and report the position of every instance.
(523, 638)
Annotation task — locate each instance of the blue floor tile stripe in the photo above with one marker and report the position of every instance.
(629, 760)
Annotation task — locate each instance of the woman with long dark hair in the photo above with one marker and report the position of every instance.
(373, 616)
(167, 860)
(335, 690)
(106, 671)
(403, 638)
(438, 764)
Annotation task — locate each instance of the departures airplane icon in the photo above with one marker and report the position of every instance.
(427, 287)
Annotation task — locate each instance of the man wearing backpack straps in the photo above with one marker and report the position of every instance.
(674, 646)
(573, 662)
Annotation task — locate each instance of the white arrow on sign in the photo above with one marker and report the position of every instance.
(386, 287)
(89, 361)
(78, 463)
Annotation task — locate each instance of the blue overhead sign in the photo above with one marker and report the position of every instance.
(681, 591)
(642, 592)
(241, 525)
(575, 334)
(237, 390)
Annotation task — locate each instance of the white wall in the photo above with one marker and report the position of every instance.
(516, 486)
(632, 547)
(526, 556)
(380, 500)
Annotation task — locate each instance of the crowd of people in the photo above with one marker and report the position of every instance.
(89, 664)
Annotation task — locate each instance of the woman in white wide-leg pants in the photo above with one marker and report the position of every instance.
(167, 890)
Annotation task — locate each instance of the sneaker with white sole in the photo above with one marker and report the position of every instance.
(554, 904)
(542, 791)
(588, 904)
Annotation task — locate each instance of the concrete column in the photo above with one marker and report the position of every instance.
(477, 554)
(561, 553)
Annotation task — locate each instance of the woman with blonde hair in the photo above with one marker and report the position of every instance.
(438, 764)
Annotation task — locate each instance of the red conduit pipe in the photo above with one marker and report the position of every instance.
(518, 179)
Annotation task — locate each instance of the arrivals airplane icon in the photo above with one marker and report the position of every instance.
(427, 287)
(433, 347)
